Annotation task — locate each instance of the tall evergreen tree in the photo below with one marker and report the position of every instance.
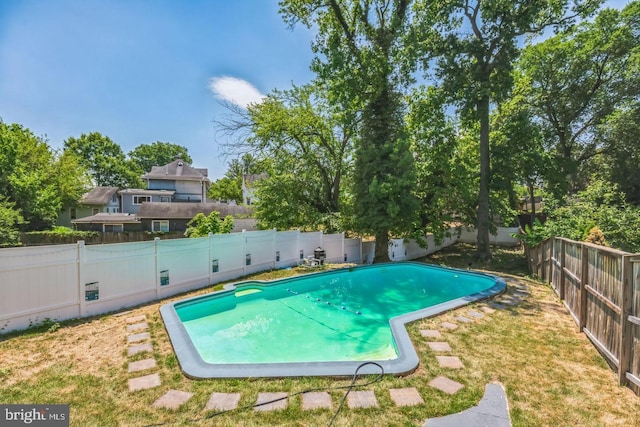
(360, 58)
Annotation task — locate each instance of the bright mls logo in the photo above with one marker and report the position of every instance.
(34, 415)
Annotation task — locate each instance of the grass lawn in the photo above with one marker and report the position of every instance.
(552, 374)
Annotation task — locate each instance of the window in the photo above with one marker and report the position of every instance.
(113, 228)
(165, 199)
(138, 200)
(95, 211)
(72, 213)
(160, 226)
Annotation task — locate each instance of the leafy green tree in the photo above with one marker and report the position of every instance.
(474, 44)
(308, 143)
(601, 205)
(226, 188)
(445, 161)
(105, 161)
(230, 186)
(360, 58)
(30, 177)
(576, 79)
(619, 134)
(159, 153)
(201, 225)
(10, 222)
(517, 151)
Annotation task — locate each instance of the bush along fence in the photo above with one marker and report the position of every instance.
(600, 287)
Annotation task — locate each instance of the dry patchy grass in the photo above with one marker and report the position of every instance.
(551, 372)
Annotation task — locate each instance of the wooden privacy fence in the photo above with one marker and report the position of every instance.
(600, 287)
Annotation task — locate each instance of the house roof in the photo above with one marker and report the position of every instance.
(98, 196)
(177, 170)
(108, 218)
(147, 192)
(156, 210)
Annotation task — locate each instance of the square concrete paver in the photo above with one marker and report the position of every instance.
(362, 399)
(487, 310)
(475, 314)
(136, 319)
(406, 396)
(449, 325)
(172, 399)
(451, 362)
(316, 400)
(138, 337)
(463, 319)
(263, 398)
(445, 384)
(439, 346)
(142, 365)
(223, 401)
(137, 327)
(139, 348)
(430, 333)
(143, 383)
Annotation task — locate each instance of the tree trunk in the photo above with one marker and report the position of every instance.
(482, 222)
(382, 247)
(533, 203)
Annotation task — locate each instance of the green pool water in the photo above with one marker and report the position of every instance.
(328, 317)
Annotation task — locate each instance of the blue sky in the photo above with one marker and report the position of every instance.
(143, 71)
(140, 71)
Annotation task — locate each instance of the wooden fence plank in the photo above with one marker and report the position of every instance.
(626, 338)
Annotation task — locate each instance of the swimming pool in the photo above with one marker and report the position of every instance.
(321, 324)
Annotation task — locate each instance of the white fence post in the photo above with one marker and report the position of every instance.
(155, 263)
(244, 252)
(80, 277)
(210, 265)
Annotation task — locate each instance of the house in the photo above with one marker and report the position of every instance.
(175, 216)
(188, 184)
(108, 223)
(249, 182)
(97, 200)
(133, 198)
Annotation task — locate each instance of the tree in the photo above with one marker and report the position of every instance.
(30, 177)
(445, 161)
(201, 225)
(226, 189)
(145, 156)
(360, 60)
(230, 186)
(474, 62)
(307, 142)
(105, 161)
(575, 79)
(619, 134)
(10, 222)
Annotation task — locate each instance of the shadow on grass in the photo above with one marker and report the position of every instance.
(508, 260)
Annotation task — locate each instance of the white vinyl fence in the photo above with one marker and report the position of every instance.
(70, 281)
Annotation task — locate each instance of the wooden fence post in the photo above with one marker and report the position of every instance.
(584, 281)
(626, 338)
(562, 269)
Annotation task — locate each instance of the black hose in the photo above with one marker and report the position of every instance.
(350, 387)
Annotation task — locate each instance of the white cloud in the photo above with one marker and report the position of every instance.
(236, 91)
